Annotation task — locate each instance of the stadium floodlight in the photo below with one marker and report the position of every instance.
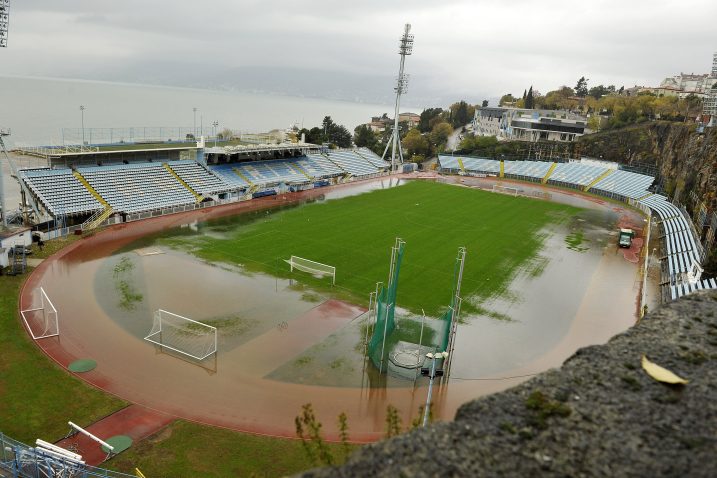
(405, 48)
(4, 21)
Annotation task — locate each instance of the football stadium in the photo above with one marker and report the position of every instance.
(232, 285)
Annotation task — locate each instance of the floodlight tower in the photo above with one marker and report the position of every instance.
(3, 133)
(405, 48)
(4, 17)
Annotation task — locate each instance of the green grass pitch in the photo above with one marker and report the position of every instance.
(355, 234)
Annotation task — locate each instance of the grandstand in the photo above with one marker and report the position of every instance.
(683, 254)
(354, 163)
(59, 191)
(115, 187)
(109, 193)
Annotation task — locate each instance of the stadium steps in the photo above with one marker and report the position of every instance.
(243, 176)
(92, 191)
(550, 171)
(297, 168)
(645, 196)
(250, 192)
(171, 171)
(460, 165)
(97, 218)
(502, 169)
(598, 179)
(336, 164)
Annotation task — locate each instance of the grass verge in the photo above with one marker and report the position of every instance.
(37, 398)
(185, 449)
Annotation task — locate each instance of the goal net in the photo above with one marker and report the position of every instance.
(505, 190)
(182, 335)
(312, 267)
(42, 321)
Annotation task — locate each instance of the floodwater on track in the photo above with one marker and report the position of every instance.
(282, 344)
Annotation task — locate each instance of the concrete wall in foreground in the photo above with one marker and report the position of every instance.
(600, 414)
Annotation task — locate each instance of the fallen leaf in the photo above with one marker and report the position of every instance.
(661, 374)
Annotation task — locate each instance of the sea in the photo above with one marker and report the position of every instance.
(37, 109)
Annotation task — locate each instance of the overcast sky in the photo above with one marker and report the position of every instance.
(470, 48)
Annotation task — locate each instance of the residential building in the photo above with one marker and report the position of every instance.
(411, 118)
(528, 125)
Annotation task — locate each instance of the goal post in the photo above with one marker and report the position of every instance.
(42, 322)
(505, 190)
(183, 335)
(312, 267)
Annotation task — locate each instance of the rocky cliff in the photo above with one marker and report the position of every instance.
(684, 161)
(600, 414)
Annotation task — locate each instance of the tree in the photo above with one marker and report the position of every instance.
(581, 88)
(424, 125)
(365, 137)
(440, 133)
(529, 100)
(507, 98)
(415, 144)
(226, 133)
(599, 91)
(461, 113)
(484, 104)
(340, 136)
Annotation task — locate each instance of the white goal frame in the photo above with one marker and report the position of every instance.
(49, 315)
(312, 267)
(155, 335)
(511, 191)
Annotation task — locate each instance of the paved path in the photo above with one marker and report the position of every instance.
(135, 421)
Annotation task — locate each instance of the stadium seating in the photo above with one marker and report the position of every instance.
(481, 165)
(137, 187)
(532, 170)
(59, 191)
(682, 250)
(624, 183)
(353, 163)
(372, 158)
(449, 162)
(198, 177)
(680, 247)
(227, 174)
(318, 166)
(575, 174)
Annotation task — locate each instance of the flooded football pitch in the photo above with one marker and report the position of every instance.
(283, 343)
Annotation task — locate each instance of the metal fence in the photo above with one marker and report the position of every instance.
(18, 460)
(135, 134)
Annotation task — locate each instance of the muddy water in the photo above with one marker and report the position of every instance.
(283, 345)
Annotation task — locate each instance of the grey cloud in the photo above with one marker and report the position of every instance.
(471, 49)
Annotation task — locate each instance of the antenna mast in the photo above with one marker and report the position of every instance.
(405, 48)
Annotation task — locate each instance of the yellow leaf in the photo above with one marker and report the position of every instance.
(661, 374)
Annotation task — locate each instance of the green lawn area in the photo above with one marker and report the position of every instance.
(37, 398)
(355, 234)
(186, 449)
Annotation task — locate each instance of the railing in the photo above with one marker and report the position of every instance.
(23, 461)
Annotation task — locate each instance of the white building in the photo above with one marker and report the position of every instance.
(528, 125)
